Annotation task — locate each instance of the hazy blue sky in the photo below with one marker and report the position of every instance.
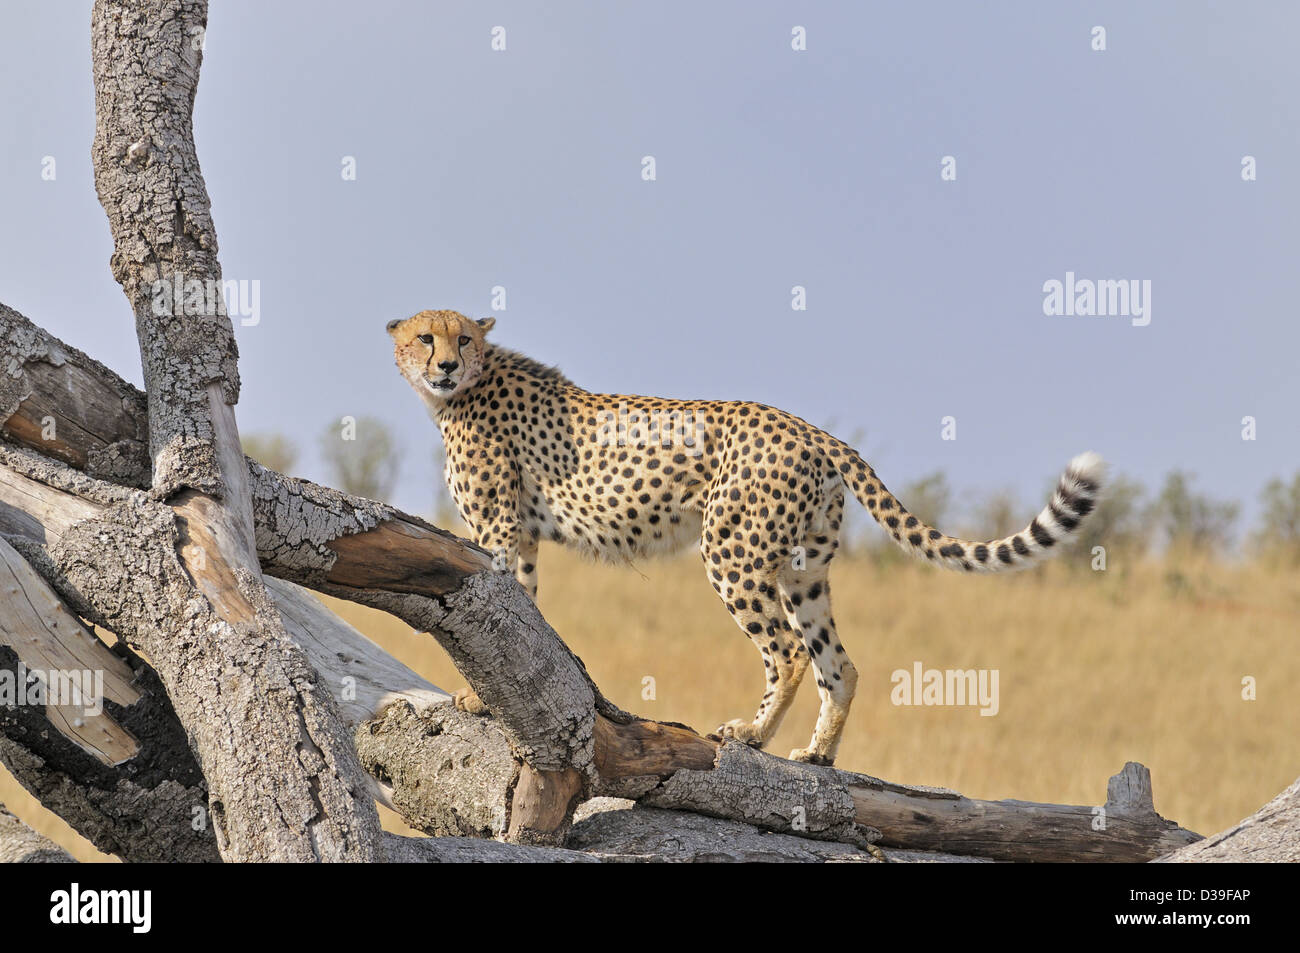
(775, 168)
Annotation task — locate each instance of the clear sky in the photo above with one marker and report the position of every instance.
(523, 168)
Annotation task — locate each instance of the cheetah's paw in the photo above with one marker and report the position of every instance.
(810, 756)
(467, 700)
(743, 731)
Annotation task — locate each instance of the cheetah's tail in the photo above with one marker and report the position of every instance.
(1075, 497)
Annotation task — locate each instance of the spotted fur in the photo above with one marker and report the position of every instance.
(532, 456)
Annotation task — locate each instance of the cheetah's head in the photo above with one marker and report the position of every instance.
(440, 353)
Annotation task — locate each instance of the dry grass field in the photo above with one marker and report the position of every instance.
(1142, 662)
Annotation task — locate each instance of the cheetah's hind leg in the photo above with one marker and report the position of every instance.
(755, 605)
(837, 678)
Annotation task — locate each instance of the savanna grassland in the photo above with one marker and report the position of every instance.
(1142, 662)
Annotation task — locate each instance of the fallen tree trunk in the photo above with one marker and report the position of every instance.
(64, 404)
(671, 767)
(617, 830)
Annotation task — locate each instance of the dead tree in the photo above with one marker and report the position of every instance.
(241, 719)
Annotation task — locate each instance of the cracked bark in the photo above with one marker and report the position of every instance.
(451, 777)
(136, 809)
(125, 778)
(131, 810)
(1270, 835)
(62, 403)
(175, 572)
(19, 844)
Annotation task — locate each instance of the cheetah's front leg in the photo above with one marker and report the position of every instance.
(496, 528)
(526, 565)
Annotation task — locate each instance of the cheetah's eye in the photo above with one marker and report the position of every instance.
(464, 339)
(426, 338)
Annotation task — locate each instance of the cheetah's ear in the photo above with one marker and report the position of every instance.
(392, 325)
(485, 324)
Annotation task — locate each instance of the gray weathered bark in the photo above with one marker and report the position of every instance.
(142, 806)
(19, 844)
(618, 830)
(1270, 835)
(124, 778)
(613, 830)
(62, 403)
(452, 777)
(450, 773)
(176, 572)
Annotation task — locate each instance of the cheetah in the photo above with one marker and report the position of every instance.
(532, 456)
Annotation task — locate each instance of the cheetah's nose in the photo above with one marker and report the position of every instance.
(448, 366)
